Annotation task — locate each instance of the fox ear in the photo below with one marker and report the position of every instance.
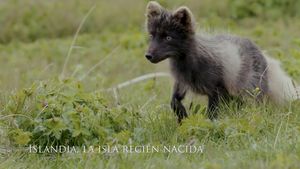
(153, 9)
(184, 16)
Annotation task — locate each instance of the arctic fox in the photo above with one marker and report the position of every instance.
(218, 66)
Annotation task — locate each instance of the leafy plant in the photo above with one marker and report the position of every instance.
(62, 113)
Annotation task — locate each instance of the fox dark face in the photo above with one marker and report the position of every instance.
(169, 32)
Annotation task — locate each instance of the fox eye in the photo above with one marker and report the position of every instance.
(168, 38)
(150, 36)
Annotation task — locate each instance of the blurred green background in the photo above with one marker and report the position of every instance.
(35, 42)
(29, 20)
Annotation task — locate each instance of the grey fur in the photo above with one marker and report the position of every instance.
(202, 63)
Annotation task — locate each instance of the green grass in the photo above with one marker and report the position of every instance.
(79, 110)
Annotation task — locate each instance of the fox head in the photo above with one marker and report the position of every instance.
(170, 32)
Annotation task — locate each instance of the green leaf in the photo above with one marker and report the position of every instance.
(20, 137)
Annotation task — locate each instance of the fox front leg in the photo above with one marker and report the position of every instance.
(179, 92)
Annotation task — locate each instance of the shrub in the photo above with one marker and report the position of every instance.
(62, 113)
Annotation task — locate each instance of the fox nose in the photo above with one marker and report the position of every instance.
(149, 56)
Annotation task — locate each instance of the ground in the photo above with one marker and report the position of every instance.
(42, 101)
